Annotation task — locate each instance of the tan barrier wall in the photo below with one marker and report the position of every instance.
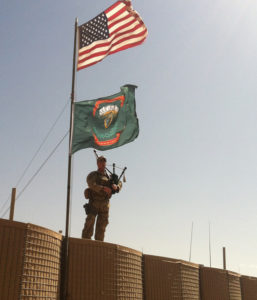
(166, 279)
(42, 263)
(30, 259)
(214, 284)
(103, 271)
(12, 235)
(249, 288)
(30, 262)
(234, 286)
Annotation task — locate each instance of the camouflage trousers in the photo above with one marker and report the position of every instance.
(99, 211)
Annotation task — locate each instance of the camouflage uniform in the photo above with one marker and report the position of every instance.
(98, 205)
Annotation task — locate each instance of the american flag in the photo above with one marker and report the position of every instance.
(118, 28)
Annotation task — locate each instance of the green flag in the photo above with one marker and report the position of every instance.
(107, 122)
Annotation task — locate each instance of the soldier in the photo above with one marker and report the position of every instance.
(99, 193)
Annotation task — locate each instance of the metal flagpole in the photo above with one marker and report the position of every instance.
(71, 132)
(66, 239)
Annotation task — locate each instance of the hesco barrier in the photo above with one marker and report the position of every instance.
(217, 284)
(214, 284)
(103, 271)
(41, 264)
(234, 286)
(12, 235)
(30, 269)
(30, 259)
(249, 287)
(169, 279)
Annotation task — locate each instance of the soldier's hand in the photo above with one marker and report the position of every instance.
(108, 191)
(115, 187)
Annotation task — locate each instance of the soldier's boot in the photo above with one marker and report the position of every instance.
(101, 223)
(88, 229)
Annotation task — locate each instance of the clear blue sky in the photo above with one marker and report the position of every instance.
(195, 159)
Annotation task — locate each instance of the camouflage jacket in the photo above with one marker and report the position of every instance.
(96, 182)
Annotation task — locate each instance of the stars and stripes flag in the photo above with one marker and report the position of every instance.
(118, 28)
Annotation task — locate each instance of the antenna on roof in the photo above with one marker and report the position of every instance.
(192, 228)
(210, 242)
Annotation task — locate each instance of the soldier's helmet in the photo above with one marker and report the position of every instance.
(101, 158)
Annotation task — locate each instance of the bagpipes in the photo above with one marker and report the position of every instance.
(114, 178)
